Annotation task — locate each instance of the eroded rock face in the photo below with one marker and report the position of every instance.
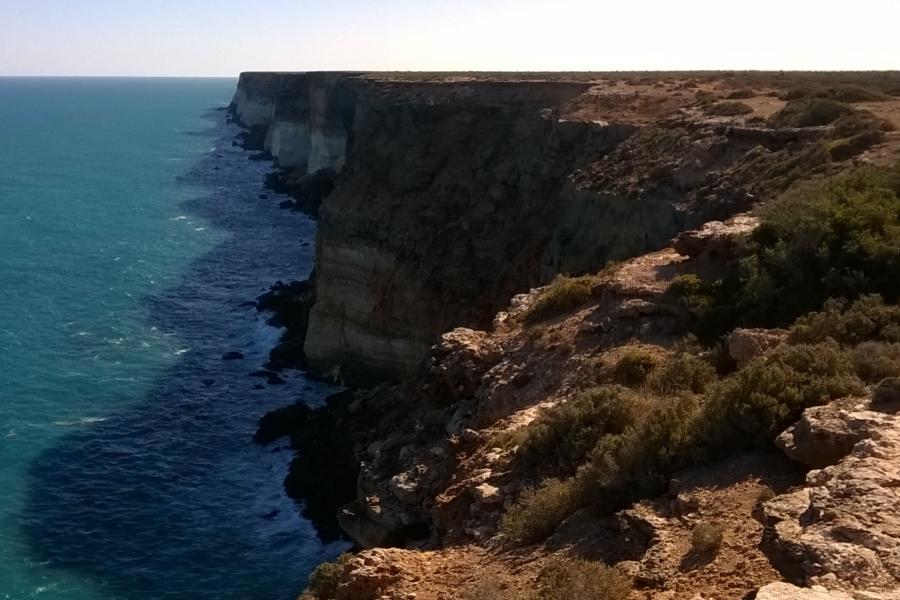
(843, 530)
(423, 231)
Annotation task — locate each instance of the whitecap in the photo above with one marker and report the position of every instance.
(80, 421)
(181, 351)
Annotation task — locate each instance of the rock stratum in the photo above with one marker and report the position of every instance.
(451, 207)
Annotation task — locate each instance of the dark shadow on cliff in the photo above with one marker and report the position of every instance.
(170, 498)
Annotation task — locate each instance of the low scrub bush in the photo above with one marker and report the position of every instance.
(560, 438)
(846, 148)
(867, 319)
(874, 361)
(538, 512)
(574, 579)
(638, 462)
(492, 588)
(562, 295)
(838, 237)
(681, 373)
(854, 93)
(742, 94)
(706, 538)
(634, 366)
(728, 108)
(758, 402)
(809, 112)
(695, 294)
(887, 392)
(324, 580)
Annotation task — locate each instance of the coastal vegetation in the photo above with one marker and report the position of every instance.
(823, 261)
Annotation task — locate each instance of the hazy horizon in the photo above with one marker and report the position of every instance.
(206, 38)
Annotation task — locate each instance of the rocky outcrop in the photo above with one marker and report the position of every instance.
(842, 531)
(746, 344)
(716, 237)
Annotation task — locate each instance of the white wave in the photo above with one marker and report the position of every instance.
(80, 421)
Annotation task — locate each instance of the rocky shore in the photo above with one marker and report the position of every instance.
(442, 197)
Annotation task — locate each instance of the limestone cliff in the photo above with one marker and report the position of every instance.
(453, 193)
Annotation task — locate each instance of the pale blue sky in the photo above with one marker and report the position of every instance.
(224, 37)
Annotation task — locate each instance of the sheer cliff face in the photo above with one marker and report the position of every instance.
(452, 196)
(302, 120)
(443, 211)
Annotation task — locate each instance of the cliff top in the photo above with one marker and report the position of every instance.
(630, 97)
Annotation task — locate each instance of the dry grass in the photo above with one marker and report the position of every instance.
(562, 295)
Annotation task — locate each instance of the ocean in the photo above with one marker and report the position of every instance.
(132, 236)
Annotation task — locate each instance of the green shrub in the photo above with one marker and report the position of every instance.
(682, 373)
(866, 319)
(706, 538)
(854, 93)
(638, 462)
(741, 94)
(846, 148)
(634, 366)
(758, 402)
(874, 361)
(562, 295)
(560, 438)
(574, 579)
(838, 237)
(887, 392)
(694, 294)
(728, 108)
(492, 588)
(809, 112)
(324, 580)
(537, 513)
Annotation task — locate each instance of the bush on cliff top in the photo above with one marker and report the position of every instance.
(838, 237)
(809, 112)
(562, 295)
(761, 400)
(728, 108)
(324, 580)
(538, 512)
(866, 319)
(559, 439)
(575, 579)
(634, 366)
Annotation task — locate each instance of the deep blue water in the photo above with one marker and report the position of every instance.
(131, 231)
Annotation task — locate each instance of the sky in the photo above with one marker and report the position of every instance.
(225, 37)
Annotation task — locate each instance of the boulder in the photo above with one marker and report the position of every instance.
(842, 530)
(361, 529)
(823, 435)
(715, 237)
(487, 494)
(746, 344)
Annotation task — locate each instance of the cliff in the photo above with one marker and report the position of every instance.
(446, 195)
(626, 414)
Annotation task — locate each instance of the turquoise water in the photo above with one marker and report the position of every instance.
(131, 236)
